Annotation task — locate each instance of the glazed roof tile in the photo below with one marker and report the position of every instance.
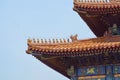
(100, 7)
(88, 47)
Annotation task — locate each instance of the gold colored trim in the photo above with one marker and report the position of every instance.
(117, 75)
(89, 77)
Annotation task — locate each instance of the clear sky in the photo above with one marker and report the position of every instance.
(23, 19)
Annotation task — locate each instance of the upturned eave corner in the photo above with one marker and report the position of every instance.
(28, 52)
(96, 55)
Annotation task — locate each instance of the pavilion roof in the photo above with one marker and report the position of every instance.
(98, 14)
(60, 54)
(93, 46)
(97, 7)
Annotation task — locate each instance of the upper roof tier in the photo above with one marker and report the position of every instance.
(98, 6)
(99, 14)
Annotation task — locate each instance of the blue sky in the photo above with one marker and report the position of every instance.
(23, 19)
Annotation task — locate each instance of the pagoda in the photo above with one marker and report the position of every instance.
(90, 59)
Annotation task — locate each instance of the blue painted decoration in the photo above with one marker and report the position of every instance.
(108, 72)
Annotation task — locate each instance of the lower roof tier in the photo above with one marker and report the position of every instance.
(60, 55)
(94, 46)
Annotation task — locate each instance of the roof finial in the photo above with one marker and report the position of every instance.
(41, 40)
(53, 40)
(49, 40)
(29, 41)
(34, 40)
(74, 38)
(38, 41)
(45, 41)
(68, 40)
(57, 41)
(64, 40)
(61, 41)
